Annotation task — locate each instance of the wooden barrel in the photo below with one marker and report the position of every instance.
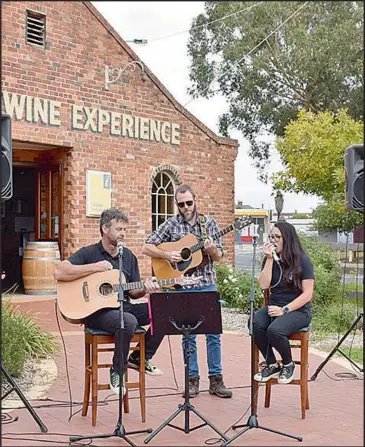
(39, 262)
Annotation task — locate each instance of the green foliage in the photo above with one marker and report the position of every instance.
(336, 317)
(268, 72)
(313, 153)
(333, 216)
(327, 270)
(22, 339)
(234, 287)
(301, 216)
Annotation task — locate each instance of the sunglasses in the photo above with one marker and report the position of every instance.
(187, 203)
(275, 237)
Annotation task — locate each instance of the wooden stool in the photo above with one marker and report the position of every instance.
(303, 337)
(94, 338)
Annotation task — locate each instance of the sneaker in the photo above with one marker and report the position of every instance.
(287, 373)
(267, 373)
(150, 368)
(114, 382)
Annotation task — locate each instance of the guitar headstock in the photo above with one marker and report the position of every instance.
(188, 280)
(243, 222)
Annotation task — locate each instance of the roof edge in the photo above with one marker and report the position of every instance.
(218, 139)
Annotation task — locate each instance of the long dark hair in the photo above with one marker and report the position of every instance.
(291, 255)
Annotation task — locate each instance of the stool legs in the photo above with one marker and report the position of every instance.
(304, 374)
(91, 376)
(303, 381)
(142, 378)
(85, 404)
(94, 382)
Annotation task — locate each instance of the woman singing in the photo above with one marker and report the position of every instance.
(288, 273)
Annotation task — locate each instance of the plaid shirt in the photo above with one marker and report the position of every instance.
(176, 228)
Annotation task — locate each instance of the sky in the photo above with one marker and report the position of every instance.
(166, 56)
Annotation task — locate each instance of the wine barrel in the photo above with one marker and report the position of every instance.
(39, 262)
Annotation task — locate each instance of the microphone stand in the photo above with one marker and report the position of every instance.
(252, 420)
(119, 431)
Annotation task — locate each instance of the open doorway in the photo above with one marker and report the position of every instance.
(17, 225)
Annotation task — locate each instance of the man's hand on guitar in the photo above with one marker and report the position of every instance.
(210, 247)
(151, 286)
(103, 266)
(174, 256)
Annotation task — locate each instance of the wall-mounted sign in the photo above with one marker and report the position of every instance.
(98, 192)
(47, 111)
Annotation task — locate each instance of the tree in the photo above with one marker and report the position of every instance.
(331, 216)
(313, 155)
(313, 62)
(312, 152)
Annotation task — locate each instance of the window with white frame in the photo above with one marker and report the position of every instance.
(163, 203)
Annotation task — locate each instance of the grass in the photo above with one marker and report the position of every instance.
(330, 323)
(355, 354)
(22, 339)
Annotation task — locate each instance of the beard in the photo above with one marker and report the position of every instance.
(188, 215)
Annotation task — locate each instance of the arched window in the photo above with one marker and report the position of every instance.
(163, 203)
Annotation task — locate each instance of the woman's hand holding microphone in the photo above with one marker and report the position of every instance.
(268, 249)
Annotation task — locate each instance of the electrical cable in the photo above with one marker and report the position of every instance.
(205, 24)
(251, 51)
(66, 360)
(172, 363)
(212, 441)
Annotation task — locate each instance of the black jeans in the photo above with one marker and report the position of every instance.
(272, 333)
(109, 320)
(140, 311)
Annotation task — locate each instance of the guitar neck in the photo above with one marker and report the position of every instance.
(215, 236)
(140, 284)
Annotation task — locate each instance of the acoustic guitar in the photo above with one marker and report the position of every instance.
(190, 250)
(82, 297)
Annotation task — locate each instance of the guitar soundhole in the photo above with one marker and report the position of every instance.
(106, 289)
(185, 254)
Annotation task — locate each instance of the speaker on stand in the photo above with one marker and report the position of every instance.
(354, 170)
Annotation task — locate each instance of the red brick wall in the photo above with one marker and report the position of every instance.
(71, 70)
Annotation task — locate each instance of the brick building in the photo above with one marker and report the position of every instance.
(79, 143)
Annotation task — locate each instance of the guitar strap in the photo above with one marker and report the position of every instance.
(202, 222)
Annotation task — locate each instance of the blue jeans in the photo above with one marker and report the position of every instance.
(213, 346)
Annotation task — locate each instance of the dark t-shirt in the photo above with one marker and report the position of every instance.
(96, 252)
(282, 294)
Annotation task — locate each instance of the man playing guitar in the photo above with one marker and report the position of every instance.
(102, 257)
(186, 222)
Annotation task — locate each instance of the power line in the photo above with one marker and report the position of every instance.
(206, 24)
(252, 50)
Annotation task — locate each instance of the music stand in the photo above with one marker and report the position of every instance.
(176, 313)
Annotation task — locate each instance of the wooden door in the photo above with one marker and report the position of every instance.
(49, 203)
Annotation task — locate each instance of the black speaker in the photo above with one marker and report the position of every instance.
(6, 158)
(354, 170)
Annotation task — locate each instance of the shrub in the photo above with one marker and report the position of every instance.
(337, 317)
(327, 270)
(22, 339)
(234, 288)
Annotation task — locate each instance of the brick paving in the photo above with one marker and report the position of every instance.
(335, 416)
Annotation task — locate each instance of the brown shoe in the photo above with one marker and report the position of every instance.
(193, 386)
(217, 387)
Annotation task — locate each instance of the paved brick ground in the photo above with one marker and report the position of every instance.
(335, 416)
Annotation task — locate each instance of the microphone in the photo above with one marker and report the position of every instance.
(120, 248)
(275, 256)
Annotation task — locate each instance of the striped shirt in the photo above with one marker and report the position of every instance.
(176, 228)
